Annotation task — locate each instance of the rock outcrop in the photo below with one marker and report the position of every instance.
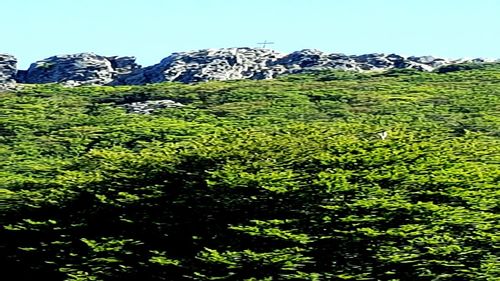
(309, 59)
(210, 64)
(78, 69)
(250, 63)
(8, 70)
(147, 107)
(204, 65)
(315, 59)
(122, 66)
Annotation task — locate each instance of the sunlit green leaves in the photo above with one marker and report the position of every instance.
(287, 179)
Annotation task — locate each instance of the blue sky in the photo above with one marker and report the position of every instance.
(152, 29)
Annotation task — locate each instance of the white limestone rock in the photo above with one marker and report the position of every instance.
(8, 70)
(208, 64)
(79, 69)
(147, 107)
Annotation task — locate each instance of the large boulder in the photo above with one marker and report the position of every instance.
(122, 66)
(78, 69)
(303, 59)
(8, 70)
(209, 64)
(312, 59)
(147, 107)
(373, 61)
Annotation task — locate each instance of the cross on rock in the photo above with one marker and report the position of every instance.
(265, 43)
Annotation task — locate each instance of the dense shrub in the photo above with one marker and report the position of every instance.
(288, 179)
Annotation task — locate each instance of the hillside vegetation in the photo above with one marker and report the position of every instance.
(319, 176)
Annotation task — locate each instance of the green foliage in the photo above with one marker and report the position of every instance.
(285, 179)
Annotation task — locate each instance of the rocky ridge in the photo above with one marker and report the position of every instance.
(203, 65)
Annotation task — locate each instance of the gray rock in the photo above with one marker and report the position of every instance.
(8, 70)
(122, 66)
(342, 62)
(147, 107)
(79, 69)
(208, 64)
(373, 62)
(71, 70)
(423, 59)
(431, 61)
(311, 59)
(21, 75)
(304, 59)
(249, 63)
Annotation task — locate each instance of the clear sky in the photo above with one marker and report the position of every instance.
(152, 29)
